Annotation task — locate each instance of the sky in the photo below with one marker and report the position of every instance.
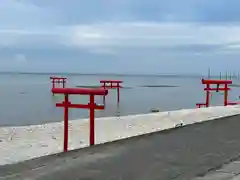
(120, 36)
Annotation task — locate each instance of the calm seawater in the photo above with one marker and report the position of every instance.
(27, 99)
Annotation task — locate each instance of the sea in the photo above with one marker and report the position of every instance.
(26, 98)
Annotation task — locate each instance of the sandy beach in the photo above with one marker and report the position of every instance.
(27, 142)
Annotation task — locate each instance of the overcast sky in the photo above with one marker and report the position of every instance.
(120, 36)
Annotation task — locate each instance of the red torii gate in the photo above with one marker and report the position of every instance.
(112, 84)
(209, 82)
(91, 106)
(58, 80)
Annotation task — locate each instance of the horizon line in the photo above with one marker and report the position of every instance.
(101, 73)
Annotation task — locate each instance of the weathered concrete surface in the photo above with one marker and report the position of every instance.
(179, 154)
(229, 171)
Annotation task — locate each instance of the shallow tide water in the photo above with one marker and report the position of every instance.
(27, 99)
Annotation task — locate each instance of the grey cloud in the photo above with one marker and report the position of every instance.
(82, 11)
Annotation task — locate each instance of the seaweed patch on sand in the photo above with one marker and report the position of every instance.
(91, 86)
(234, 85)
(95, 86)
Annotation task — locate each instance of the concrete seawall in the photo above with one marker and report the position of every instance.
(39, 140)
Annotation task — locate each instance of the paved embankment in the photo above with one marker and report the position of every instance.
(178, 154)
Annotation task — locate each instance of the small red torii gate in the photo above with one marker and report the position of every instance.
(58, 80)
(208, 83)
(91, 106)
(112, 84)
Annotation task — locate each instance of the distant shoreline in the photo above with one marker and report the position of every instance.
(106, 74)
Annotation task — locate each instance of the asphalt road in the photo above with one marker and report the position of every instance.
(178, 154)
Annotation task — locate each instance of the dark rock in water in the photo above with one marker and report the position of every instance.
(234, 85)
(83, 86)
(22, 93)
(159, 86)
(97, 86)
(154, 110)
